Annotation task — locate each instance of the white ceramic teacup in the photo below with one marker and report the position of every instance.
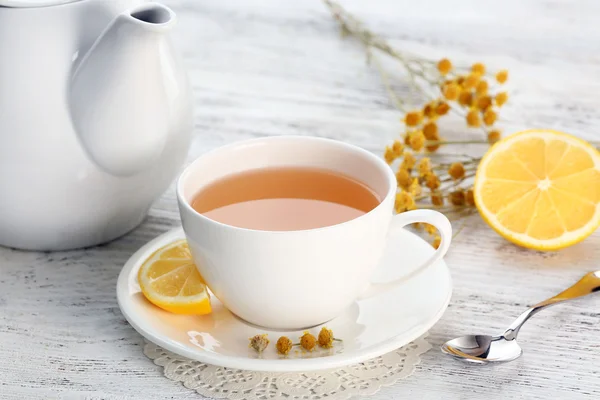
(296, 279)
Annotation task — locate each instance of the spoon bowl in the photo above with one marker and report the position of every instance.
(483, 349)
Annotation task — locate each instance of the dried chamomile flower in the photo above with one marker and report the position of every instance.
(397, 148)
(416, 140)
(432, 147)
(404, 202)
(326, 338)
(413, 118)
(437, 240)
(437, 199)
(451, 91)
(430, 130)
(308, 341)
(473, 119)
(456, 170)
(429, 110)
(502, 76)
(408, 161)
(432, 181)
(444, 66)
(389, 155)
(430, 229)
(424, 167)
(501, 98)
(471, 81)
(403, 178)
(484, 102)
(415, 189)
(482, 88)
(478, 68)
(489, 117)
(259, 342)
(442, 109)
(493, 136)
(469, 198)
(465, 99)
(284, 345)
(457, 197)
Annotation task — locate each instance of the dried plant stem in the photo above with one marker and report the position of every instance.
(441, 142)
(462, 226)
(354, 27)
(399, 104)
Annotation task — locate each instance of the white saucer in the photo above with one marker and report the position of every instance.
(369, 328)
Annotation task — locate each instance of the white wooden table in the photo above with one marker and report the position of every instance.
(269, 67)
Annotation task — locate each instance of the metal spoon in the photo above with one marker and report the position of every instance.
(483, 349)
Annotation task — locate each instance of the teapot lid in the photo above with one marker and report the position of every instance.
(33, 3)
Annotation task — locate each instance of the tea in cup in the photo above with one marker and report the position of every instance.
(288, 230)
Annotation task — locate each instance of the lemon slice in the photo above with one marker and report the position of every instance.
(169, 279)
(540, 189)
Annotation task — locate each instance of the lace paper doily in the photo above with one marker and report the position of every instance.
(337, 384)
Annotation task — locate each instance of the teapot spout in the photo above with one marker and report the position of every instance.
(123, 91)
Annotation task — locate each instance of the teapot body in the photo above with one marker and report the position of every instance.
(53, 195)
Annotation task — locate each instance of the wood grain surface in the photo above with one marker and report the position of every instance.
(268, 67)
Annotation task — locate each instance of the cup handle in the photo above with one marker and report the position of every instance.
(434, 218)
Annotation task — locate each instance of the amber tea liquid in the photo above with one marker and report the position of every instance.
(285, 199)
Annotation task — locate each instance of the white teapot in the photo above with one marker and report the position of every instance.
(95, 119)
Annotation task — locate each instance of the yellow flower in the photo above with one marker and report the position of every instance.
(442, 109)
(284, 345)
(409, 161)
(456, 170)
(403, 178)
(430, 130)
(451, 91)
(437, 199)
(308, 341)
(469, 198)
(501, 98)
(493, 136)
(482, 87)
(502, 76)
(417, 140)
(473, 119)
(404, 202)
(424, 167)
(389, 155)
(326, 338)
(430, 229)
(432, 181)
(437, 240)
(413, 118)
(457, 197)
(397, 148)
(484, 102)
(465, 99)
(489, 117)
(478, 68)
(444, 66)
(414, 188)
(432, 147)
(471, 81)
(429, 110)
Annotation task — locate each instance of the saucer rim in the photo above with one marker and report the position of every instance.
(262, 365)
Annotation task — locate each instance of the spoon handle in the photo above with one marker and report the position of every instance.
(590, 283)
